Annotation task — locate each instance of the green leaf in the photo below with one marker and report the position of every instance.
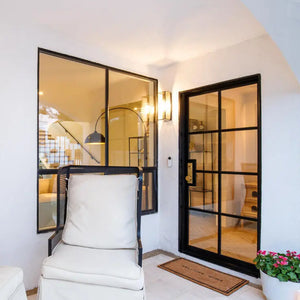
(284, 271)
(256, 259)
(292, 276)
(282, 277)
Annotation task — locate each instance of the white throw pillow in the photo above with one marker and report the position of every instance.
(101, 211)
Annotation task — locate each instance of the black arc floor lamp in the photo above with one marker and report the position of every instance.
(96, 138)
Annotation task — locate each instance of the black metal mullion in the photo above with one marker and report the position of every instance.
(239, 129)
(212, 175)
(219, 172)
(106, 117)
(187, 140)
(227, 172)
(259, 162)
(203, 175)
(224, 130)
(223, 214)
(206, 171)
(183, 187)
(38, 143)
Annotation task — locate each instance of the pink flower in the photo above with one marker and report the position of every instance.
(292, 267)
(272, 253)
(280, 256)
(291, 254)
(284, 263)
(298, 256)
(275, 265)
(263, 252)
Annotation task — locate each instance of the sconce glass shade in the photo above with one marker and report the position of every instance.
(95, 138)
(165, 106)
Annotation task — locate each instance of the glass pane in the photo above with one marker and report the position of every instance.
(239, 151)
(205, 194)
(47, 201)
(239, 195)
(204, 149)
(239, 107)
(239, 239)
(147, 196)
(203, 231)
(71, 96)
(203, 112)
(131, 120)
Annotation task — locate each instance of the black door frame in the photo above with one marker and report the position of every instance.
(231, 263)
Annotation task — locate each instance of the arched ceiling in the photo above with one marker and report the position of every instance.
(281, 19)
(156, 32)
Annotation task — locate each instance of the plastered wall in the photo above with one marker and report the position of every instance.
(280, 137)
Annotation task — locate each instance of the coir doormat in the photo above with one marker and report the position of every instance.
(218, 281)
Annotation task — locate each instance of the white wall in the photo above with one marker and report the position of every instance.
(19, 243)
(280, 137)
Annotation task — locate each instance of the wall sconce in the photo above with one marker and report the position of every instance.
(165, 106)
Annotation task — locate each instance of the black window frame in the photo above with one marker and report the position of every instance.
(145, 170)
(217, 258)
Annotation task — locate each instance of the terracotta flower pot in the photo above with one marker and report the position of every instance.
(276, 290)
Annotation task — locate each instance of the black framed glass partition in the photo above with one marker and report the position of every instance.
(91, 114)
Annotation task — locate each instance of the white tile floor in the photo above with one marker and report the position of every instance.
(163, 285)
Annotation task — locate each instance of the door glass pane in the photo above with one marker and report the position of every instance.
(203, 231)
(239, 195)
(131, 120)
(239, 239)
(239, 107)
(203, 112)
(204, 194)
(239, 151)
(204, 149)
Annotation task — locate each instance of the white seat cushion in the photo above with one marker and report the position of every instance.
(114, 268)
(10, 279)
(101, 211)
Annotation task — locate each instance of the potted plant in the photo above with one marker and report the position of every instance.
(280, 274)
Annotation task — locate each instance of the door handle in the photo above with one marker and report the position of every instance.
(190, 177)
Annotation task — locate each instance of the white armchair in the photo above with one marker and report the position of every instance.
(11, 284)
(99, 254)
